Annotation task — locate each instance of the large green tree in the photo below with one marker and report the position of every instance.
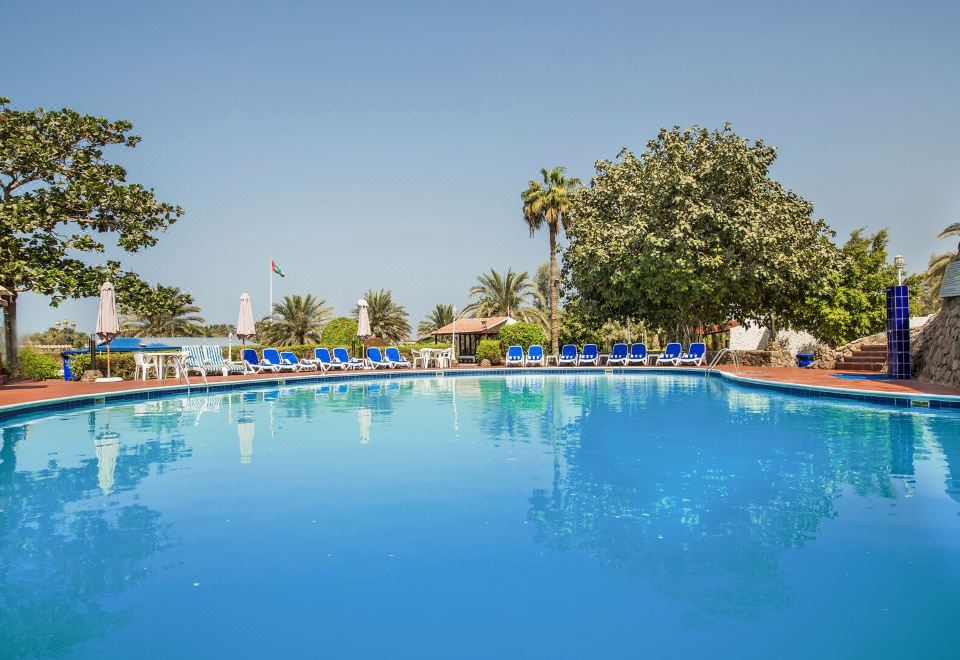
(61, 201)
(851, 301)
(438, 317)
(388, 320)
(296, 320)
(694, 231)
(547, 202)
(164, 311)
(512, 294)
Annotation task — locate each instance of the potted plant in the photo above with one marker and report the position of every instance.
(805, 356)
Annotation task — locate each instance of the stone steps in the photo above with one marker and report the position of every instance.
(866, 357)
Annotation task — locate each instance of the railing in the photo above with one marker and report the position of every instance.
(716, 360)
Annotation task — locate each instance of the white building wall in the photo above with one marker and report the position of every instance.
(750, 337)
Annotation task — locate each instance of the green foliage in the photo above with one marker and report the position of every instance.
(514, 295)
(340, 331)
(489, 349)
(523, 335)
(36, 365)
(694, 232)
(219, 329)
(297, 320)
(851, 302)
(162, 311)
(440, 316)
(59, 335)
(122, 365)
(936, 269)
(62, 200)
(578, 328)
(388, 320)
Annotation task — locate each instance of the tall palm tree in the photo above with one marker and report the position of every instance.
(166, 311)
(440, 316)
(297, 320)
(388, 320)
(514, 295)
(548, 202)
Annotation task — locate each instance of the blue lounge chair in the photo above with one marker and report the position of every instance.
(215, 361)
(696, 355)
(375, 358)
(638, 354)
(568, 355)
(671, 354)
(252, 363)
(534, 356)
(321, 358)
(394, 357)
(290, 358)
(271, 356)
(514, 357)
(618, 354)
(590, 355)
(340, 355)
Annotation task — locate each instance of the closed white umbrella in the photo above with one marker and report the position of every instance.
(245, 326)
(363, 325)
(108, 322)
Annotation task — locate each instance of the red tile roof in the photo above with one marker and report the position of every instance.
(474, 326)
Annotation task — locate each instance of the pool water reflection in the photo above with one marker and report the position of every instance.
(666, 515)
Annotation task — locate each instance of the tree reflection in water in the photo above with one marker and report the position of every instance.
(63, 546)
(703, 500)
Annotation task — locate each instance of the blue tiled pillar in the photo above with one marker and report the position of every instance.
(898, 332)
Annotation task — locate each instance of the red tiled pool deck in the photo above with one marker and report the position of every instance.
(25, 392)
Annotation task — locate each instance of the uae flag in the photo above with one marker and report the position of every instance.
(275, 268)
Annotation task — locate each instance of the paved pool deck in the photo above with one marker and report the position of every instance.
(23, 393)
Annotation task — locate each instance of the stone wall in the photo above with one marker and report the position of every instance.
(936, 347)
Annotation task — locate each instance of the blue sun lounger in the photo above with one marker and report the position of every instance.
(534, 356)
(514, 357)
(696, 355)
(272, 357)
(618, 354)
(340, 355)
(290, 358)
(590, 355)
(252, 363)
(671, 354)
(321, 358)
(394, 357)
(638, 354)
(375, 358)
(568, 355)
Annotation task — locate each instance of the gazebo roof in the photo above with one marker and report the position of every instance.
(475, 326)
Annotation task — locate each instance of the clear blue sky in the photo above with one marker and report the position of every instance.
(368, 145)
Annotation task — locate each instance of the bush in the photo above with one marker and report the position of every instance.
(339, 332)
(37, 366)
(122, 365)
(523, 335)
(489, 349)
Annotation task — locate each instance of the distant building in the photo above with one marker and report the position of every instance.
(469, 332)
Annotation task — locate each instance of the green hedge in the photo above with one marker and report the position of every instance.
(121, 365)
(37, 366)
(523, 335)
(489, 349)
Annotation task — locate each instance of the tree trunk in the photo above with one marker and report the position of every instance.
(10, 358)
(554, 293)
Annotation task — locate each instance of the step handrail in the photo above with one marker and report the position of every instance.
(716, 360)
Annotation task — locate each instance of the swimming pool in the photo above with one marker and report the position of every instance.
(527, 515)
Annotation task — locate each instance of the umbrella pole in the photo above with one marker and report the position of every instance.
(108, 359)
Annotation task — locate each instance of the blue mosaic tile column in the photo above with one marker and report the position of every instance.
(898, 332)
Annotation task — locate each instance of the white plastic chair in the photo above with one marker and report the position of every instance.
(143, 365)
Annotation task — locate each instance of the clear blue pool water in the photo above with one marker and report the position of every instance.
(527, 516)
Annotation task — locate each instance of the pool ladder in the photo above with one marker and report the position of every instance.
(716, 360)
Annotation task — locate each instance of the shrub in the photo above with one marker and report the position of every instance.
(339, 332)
(37, 366)
(523, 335)
(489, 349)
(122, 365)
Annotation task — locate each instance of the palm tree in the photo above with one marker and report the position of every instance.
(436, 319)
(166, 311)
(548, 202)
(297, 320)
(937, 267)
(388, 320)
(514, 295)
